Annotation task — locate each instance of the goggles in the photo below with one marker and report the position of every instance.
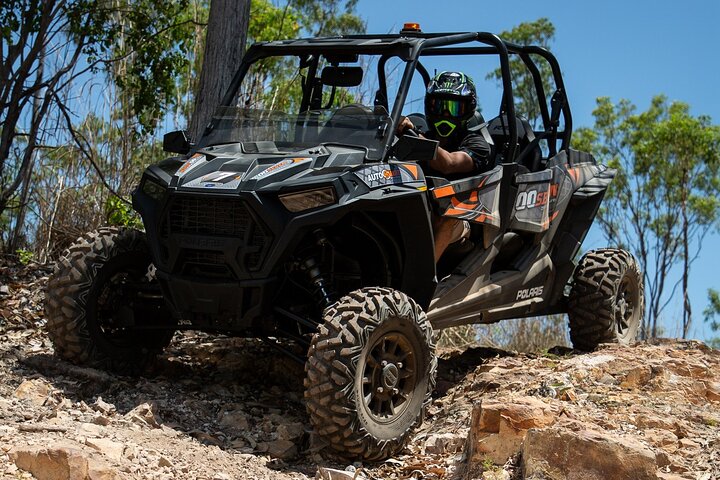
(446, 107)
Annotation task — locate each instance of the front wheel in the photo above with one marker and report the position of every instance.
(370, 373)
(103, 308)
(606, 301)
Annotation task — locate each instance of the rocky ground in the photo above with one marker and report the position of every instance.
(223, 408)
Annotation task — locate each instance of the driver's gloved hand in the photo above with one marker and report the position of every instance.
(403, 125)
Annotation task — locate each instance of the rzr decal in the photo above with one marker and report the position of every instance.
(219, 177)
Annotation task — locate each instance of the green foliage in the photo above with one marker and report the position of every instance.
(328, 17)
(665, 189)
(24, 256)
(712, 311)
(540, 32)
(269, 22)
(120, 213)
(147, 53)
(488, 465)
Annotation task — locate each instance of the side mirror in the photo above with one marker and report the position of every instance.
(414, 148)
(177, 142)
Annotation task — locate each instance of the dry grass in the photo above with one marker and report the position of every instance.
(523, 335)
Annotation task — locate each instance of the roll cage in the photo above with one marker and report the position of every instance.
(411, 47)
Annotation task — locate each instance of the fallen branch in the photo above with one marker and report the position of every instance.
(41, 428)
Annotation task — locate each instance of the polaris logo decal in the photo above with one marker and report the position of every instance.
(529, 293)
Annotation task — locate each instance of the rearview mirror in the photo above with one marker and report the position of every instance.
(177, 142)
(342, 76)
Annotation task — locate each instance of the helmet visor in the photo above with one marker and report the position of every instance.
(446, 106)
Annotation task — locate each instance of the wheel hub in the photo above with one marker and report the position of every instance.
(624, 306)
(390, 375)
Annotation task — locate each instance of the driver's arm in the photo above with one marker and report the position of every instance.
(445, 162)
(452, 162)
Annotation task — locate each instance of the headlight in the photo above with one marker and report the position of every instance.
(307, 199)
(153, 189)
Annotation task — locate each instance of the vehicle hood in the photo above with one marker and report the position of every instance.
(229, 168)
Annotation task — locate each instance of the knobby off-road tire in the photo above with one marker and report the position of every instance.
(606, 302)
(88, 312)
(370, 373)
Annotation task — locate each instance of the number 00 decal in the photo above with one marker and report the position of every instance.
(526, 200)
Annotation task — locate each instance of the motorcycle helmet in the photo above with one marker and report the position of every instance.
(450, 101)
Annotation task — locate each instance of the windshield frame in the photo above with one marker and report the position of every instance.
(409, 47)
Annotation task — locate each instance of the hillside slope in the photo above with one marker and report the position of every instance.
(222, 408)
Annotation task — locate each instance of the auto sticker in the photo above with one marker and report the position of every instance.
(376, 176)
(280, 166)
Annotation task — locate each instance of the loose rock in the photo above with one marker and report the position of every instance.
(556, 453)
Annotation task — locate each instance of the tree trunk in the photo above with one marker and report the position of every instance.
(27, 175)
(687, 309)
(224, 48)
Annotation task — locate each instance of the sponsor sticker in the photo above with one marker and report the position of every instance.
(280, 166)
(191, 163)
(535, 198)
(381, 175)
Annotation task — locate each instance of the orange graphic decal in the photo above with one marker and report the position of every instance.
(413, 169)
(445, 191)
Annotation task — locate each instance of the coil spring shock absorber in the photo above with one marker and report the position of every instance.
(323, 290)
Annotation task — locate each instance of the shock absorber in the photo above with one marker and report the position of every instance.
(323, 290)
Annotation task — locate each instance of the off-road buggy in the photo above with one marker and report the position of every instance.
(300, 215)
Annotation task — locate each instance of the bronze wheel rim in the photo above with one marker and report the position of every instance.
(389, 377)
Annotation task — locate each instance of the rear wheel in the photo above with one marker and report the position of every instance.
(370, 373)
(606, 302)
(99, 297)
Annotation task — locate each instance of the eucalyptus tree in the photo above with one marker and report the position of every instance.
(664, 199)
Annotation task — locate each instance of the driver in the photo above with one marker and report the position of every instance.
(450, 102)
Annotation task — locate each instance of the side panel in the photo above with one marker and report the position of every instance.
(532, 203)
(475, 199)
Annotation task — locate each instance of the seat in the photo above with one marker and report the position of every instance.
(528, 152)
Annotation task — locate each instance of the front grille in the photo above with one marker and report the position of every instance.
(217, 217)
(205, 263)
(202, 216)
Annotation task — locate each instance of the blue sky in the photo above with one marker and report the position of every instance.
(632, 49)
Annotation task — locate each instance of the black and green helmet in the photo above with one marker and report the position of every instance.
(450, 101)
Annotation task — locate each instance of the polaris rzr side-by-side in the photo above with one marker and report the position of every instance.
(299, 216)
